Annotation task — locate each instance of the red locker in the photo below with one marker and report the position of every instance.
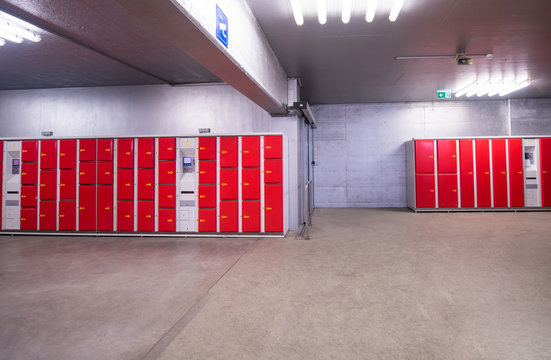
(207, 148)
(125, 153)
(146, 153)
(483, 181)
(167, 220)
(273, 197)
(87, 150)
(87, 173)
(146, 216)
(273, 171)
(125, 215)
(545, 169)
(29, 195)
(424, 156)
(466, 172)
(207, 172)
(207, 196)
(167, 148)
(167, 196)
(229, 184)
(251, 216)
(67, 215)
(229, 151)
(67, 184)
(67, 154)
(48, 185)
(105, 173)
(424, 190)
(251, 184)
(29, 173)
(273, 147)
(250, 146)
(447, 190)
(125, 184)
(447, 156)
(105, 208)
(48, 154)
(48, 216)
(229, 216)
(29, 151)
(516, 173)
(167, 172)
(87, 208)
(207, 220)
(499, 166)
(105, 149)
(28, 218)
(146, 184)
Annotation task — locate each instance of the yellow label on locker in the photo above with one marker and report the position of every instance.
(454, 190)
(148, 184)
(21, 151)
(268, 208)
(82, 150)
(24, 173)
(61, 215)
(486, 172)
(268, 171)
(431, 190)
(430, 156)
(201, 148)
(171, 172)
(169, 196)
(169, 148)
(82, 173)
(127, 184)
(127, 153)
(246, 217)
(224, 217)
(268, 147)
(127, 216)
(62, 154)
(23, 219)
(202, 220)
(42, 215)
(187, 143)
(42, 154)
(245, 151)
(107, 208)
(544, 171)
(453, 156)
(202, 172)
(503, 173)
(148, 216)
(246, 184)
(42, 185)
(108, 149)
(169, 220)
(148, 153)
(81, 208)
(61, 185)
(520, 172)
(107, 173)
(224, 184)
(470, 173)
(224, 151)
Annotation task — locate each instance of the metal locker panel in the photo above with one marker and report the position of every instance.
(447, 191)
(499, 166)
(229, 151)
(146, 153)
(273, 215)
(545, 154)
(104, 211)
(516, 173)
(28, 219)
(105, 149)
(466, 172)
(87, 173)
(251, 184)
(67, 184)
(47, 216)
(125, 184)
(29, 151)
(125, 215)
(424, 156)
(67, 215)
(48, 154)
(167, 172)
(48, 185)
(229, 216)
(146, 184)
(483, 180)
(447, 156)
(67, 154)
(87, 208)
(273, 171)
(167, 149)
(29, 195)
(251, 216)
(207, 148)
(273, 147)
(167, 196)
(207, 220)
(146, 216)
(167, 220)
(425, 191)
(250, 147)
(125, 153)
(207, 172)
(87, 150)
(229, 184)
(545, 171)
(29, 173)
(105, 173)
(207, 196)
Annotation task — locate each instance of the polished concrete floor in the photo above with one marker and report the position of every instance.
(370, 284)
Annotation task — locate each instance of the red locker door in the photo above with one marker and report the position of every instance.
(273, 147)
(67, 154)
(67, 215)
(251, 184)
(125, 215)
(207, 220)
(207, 196)
(167, 172)
(28, 196)
(207, 172)
(28, 219)
(424, 190)
(167, 220)
(105, 173)
(447, 156)
(29, 151)
(67, 184)
(146, 216)
(229, 216)
(483, 181)
(229, 184)
(229, 149)
(146, 184)
(207, 148)
(167, 196)
(48, 154)
(447, 190)
(87, 150)
(545, 166)
(424, 156)
(125, 153)
(125, 184)
(29, 173)
(167, 148)
(516, 173)
(87, 208)
(466, 172)
(273, 171)
(47, 217)
(251, 216)
(48, 185)
(105, 208)
(87, 173)
(105, 149)
(250, 146)
(146, 153)
(499, 165)
(273, 196)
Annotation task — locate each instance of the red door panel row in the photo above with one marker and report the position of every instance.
(447, 156)
(48, 216)
(207, 196)
(125, 215)
(229, 151)
(125, 184)
(229, 184)
(447, 191)
(273, 171)
(146, 215)
(167, 172)
(146, 153)
(207, 148)
(273, 197)
(250, 147)
(29, 195)
(167, 148)
(499, 170)
(105, 149)
(125, 153)
(251, 184)
(67, 154)
(167, 196)
(167, 220)
(425, 191)
(104, 208)
(424, 156)
(29, 150)
(48, 154)
(207, 172)
(28, 219)
(273, 147)
(516, 173)
(67, 215)
(483, 180)
(251, 216)
(207, 220)
(87, 150)
(466, 172)
(87, 173)
(48, 185)
(105, 173)
(87, 208)
(229, 216)
(29, 173)
(146, 184)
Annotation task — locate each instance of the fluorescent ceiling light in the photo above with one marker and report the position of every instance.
(371, 8)
(483, 90)
(10, 36)
(502, 86)
(322, 11)
(2, 42)
(476, 89)
(466, 89)
(346, 11)
(395, 10)
(297, 12)
(516, 87)
(14, 29)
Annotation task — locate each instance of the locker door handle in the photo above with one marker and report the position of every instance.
(42, 215)
(487, 172)
(61, 185)
(148, 153)
(61, 215)
(62, 154)
(224, 217)
(268, 147)
(169, 149)
(431, 156)
(224, 184)
(127, 153)
(520, 172)
(431, 190)
(454, 156)
(245, 151)
(503, 173)
(454, 190)
(246, 217)
(201, 148)
(544, 171)
(107, 149)
(169, 220)
(470, 173)
(246, 184)
(202, 220)
(224, 151)
(268, 208)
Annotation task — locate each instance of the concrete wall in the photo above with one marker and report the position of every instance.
(360, 153)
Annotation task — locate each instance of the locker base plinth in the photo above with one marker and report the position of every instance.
(144, 234)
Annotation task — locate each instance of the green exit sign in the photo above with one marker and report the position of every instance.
(444, 94)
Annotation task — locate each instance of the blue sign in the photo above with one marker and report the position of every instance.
(221, 26)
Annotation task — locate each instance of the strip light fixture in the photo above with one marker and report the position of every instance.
(322, 11)
(346, 11)
(15, 30)
(396, 7)
(490, 88)
(2, 42)
(297, 12)
(371, 9)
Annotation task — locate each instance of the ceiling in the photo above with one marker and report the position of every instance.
(112, 42)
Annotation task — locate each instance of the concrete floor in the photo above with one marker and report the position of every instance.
(370, 284)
